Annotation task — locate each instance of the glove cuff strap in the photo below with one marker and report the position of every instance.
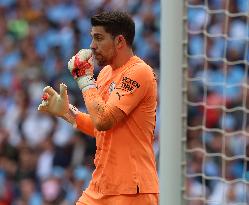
(86, 82)
(70, 115)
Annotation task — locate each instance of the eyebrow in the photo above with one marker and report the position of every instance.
(96, 34)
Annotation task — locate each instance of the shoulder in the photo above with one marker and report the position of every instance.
(138, 76)
(139, 69)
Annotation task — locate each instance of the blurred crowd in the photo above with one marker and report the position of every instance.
(218, 101)
(43, 160)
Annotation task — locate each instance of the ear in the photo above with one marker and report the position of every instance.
(120, 41)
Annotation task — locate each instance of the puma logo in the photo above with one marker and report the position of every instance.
(119, 96)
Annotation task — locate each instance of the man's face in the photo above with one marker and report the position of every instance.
(103, 46)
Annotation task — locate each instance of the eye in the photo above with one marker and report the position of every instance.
(98, 38)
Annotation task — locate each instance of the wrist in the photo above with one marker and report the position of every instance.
(70, 116)
(86, 82)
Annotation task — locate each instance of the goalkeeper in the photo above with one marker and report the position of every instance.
(121, 115)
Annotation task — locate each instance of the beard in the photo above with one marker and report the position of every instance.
(102, 60)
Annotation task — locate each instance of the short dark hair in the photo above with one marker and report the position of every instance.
(116, 23)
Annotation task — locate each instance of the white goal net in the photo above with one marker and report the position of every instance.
(216, 144)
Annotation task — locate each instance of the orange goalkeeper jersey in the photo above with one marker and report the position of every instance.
(124, 160)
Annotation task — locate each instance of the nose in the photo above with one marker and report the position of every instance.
(93, 45)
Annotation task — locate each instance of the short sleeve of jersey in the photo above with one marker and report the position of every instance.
(132, 88)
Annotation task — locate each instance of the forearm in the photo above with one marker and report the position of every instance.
(103, 116)
(84, 123)
(79, 120)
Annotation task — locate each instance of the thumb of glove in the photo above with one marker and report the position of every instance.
(63, 92)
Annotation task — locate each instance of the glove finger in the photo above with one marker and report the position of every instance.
(49, 90)
(45, 96)
(43, 107)
(63, 91)
(90, 60)
(84, 54)
(71, 63)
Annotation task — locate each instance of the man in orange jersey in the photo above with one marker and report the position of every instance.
(122, 108)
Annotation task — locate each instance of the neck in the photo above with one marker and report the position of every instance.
(122, 59)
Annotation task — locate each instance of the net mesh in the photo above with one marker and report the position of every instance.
(216, 92)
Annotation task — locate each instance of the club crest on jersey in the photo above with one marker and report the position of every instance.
(112, 87)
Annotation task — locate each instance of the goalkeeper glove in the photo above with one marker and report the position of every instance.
(58, 104)
(81, 67)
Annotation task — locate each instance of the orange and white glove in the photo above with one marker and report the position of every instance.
(81, 67)
(58, 104)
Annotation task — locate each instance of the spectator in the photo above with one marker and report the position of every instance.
(37, 40)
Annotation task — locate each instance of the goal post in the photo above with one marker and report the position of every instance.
(204, 102)
(171, 102)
